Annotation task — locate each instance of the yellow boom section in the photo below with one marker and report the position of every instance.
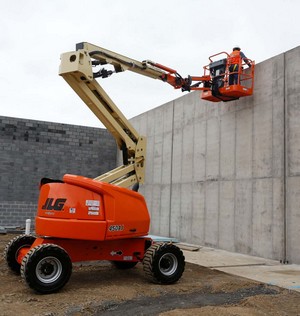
(76, 69)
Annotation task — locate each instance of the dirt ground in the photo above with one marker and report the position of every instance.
(101, 289)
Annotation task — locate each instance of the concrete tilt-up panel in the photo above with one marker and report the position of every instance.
(227, 175)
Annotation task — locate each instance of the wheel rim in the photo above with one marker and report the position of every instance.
(17, 252)
(168, 264)
(48, 270)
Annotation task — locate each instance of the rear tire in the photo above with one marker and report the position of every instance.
(46, 268)
(164, 263)
(12, 249)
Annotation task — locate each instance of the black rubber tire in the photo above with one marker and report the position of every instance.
(164, 263)
(11, 250)
(124, 265)
(46, 268)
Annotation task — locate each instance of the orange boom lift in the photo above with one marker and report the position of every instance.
(105, 218)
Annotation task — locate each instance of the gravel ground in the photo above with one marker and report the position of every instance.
(101, 289)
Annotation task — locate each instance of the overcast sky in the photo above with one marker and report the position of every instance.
(176, 33)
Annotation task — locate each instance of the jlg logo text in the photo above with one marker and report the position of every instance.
(56, 205)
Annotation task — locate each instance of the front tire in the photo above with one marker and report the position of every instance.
(46, 268)
(12, 249)
(164, 263)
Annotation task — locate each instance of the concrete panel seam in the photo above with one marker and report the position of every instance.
(171, 171)
(285, 162)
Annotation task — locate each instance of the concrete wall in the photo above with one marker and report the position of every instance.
(292, 152)
(227, 175)
(31, 150)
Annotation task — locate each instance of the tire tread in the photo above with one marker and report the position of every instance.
(151, 258)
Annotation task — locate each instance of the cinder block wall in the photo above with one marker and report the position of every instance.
(227, 175)
(31, 150)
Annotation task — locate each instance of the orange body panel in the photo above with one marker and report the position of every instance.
(70, 228)
(236, 91)
(89, 250)
(86, 209)
(227, 93)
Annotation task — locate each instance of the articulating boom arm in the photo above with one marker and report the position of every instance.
(77, 69)
(103, 56)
